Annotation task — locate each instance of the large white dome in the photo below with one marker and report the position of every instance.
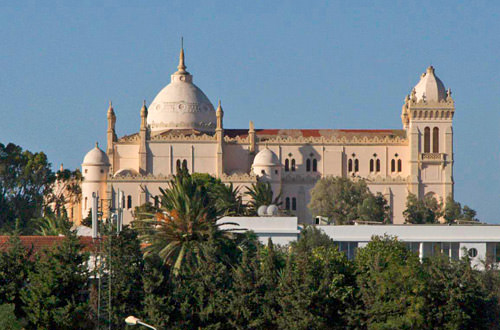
(181, 105)
(430, 88)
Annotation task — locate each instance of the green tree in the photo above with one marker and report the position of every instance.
(187, 222)
(261, 193)
(469, 214)
(51, 225)
(420, 211)
(374, 208)
(15, 264)
(122, 265)
(57, 296)
(65, 189)
(309, 239)
(8, 319)
(343, 200)
(159, 303)
(455, 296)
(25, 178)
(452, 210)
(390, 286)
(316, 290)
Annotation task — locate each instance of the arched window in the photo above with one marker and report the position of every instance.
(129, 202)
(184, 164)
(308, 165)
(378, 165)
(123, 201)
(315, 165)
(393, 165)
(294, 204)
(349, 165)
(293, 164)
(287, 203)
(356, 165)
(435, 140)
(287, 165)
(371, 165)
(156, 201)
(178, 165)
(399, 165)
(427, 139)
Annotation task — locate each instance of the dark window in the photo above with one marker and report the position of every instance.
(315, 165)
(378, 165)
(393, 165)
(356, 165)
(349, 165)
(371, 165)
(178, 165)
(287, 203)
(308, 165)
(294, 204)
(435, 140)
(129, 202)
(184, 164)
(293, 164)
(399, 165)
(427, 139)
(156, 201)
(263, 172)
(287, 165)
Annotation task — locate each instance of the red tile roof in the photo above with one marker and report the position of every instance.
(38, 243)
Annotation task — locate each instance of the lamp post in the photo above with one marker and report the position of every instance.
(132, 320)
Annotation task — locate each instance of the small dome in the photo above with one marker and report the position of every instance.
(126, 172)
(96, 157)
(266, 158)
(430, 88)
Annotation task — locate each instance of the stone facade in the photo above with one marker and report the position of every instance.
(182, 127)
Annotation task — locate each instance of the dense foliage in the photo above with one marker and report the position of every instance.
(243, 284)
(343, 201)
(25, 180)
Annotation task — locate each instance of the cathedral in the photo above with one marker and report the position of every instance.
(181, 127)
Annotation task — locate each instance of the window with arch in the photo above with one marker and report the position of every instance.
(185, 164)
(294, 203)
(156, 201)
(293, 165)
(400, 165)
(393, 165)
(129, 202)
(356, 165)
(372, 167)
(287, 203)
(287, 165)
(427, 139)
(315, 165)
(377, 165)
(178, 164)
(308, 165)
(435, 140)
(349, 165)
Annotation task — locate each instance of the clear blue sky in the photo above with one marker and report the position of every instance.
(282, 64)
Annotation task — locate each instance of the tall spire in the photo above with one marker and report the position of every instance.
(181, 68)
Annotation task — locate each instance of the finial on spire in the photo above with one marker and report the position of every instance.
(181, 67)
(219, 107)
(61, 168)
(97, 145)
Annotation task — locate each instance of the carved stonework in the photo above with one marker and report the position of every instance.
(239, 178)
(301, 178)
(184, 138)
(387, 179)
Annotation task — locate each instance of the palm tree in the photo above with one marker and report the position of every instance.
(52, 225)
(261, 194)
(228, 200)
(187, 222)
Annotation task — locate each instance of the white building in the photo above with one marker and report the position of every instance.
(181, 127)
(481, 242)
